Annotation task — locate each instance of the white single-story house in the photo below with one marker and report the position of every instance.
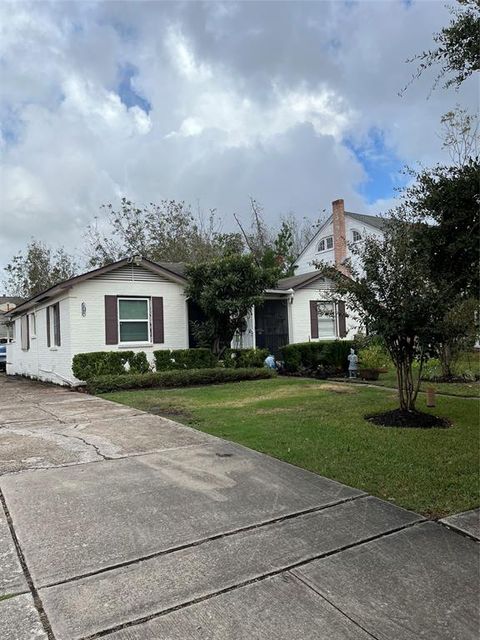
(137, 304)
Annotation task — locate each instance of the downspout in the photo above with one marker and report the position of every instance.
(59, 375)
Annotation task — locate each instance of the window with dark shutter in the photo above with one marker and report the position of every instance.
(47, 312)
(313, 319)
(157, 321)
(341, 319)
(53, 325)
(24, 333)
(56, 325)
(111, 320)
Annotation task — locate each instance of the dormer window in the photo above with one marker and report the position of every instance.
(356, 236)
(325, 244)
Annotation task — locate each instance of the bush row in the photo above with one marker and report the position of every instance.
(244, 358)
(166, 379)
(101, 363)
(309, 356)
(171, 360)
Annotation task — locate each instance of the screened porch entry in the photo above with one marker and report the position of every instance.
(271, 325)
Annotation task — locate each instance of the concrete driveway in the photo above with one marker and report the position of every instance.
(122, 525)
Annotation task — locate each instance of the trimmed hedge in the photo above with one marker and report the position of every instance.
(172, 360)
(167, 379)
(100, 363)
(311, 355)
(244, 358)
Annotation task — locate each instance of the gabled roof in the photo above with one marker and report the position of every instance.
(173, 270)
(374, 221)
(297, 282)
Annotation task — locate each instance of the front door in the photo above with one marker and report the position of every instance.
(271, 326)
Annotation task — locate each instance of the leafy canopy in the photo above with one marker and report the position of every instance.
(168, 231)
(225, 290)
(458, 46)
(37, 268)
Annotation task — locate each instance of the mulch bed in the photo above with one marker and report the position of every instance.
(408, 419)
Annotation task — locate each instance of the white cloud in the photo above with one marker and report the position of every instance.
(246, 99)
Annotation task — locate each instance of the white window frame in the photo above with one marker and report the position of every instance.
(331, 317)
(147, 320)
(32, 318)
(55, 332)
(359, 239)
(324, 242)
(24, 333)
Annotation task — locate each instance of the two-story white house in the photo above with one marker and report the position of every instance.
(140, 305)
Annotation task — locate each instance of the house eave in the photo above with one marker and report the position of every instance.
(59, 288)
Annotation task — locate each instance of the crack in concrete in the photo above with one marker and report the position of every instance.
(100, 454)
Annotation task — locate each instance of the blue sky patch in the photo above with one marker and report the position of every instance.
(382, 166)
(127, 93)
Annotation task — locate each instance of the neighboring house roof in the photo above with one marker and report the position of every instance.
(173, 270)
(297, 282)
(9, 300)
(374, 221)
(178, 268)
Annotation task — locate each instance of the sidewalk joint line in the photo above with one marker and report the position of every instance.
(197, 543)
(26, 572)
(313, 588)
(244, 583)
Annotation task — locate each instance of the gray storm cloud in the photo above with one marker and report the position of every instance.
(222, 101)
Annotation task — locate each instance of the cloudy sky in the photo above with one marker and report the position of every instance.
(292, 103)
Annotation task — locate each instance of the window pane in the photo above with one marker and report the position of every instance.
(133, 331)
(133, 310)
(329, 242)
(326, 323)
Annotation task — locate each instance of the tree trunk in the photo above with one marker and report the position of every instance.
(407, 387)
(446, 360)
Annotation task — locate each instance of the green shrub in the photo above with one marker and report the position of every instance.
(373, 357)
(309, 356)
(244, 358)
(100, 363)
(166, 379)
(431, 370)
(171, 360)
(139, 363)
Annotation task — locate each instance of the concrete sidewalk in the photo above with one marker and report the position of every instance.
(120, 523)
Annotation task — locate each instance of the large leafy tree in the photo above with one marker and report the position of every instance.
(457, 50)
(392, 294)
(37, 268)
(225, 290)
(168, 231)
(448, 198)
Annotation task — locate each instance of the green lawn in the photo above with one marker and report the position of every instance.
(320, 426)
(469, 361)
(464, 389)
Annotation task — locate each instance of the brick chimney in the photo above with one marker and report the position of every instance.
(339, 233)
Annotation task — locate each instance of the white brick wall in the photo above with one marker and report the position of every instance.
(81, 334)
(53, 363)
